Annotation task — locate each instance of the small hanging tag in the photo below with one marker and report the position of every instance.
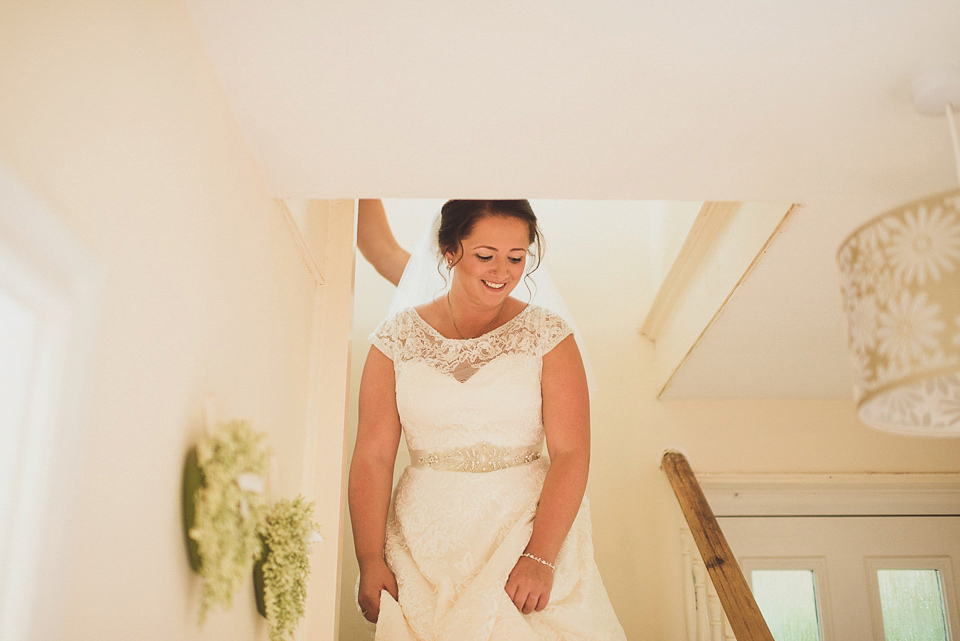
(250, 482)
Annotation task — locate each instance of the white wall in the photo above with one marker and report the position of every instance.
(111, 114)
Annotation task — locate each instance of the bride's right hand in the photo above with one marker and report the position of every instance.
(374, 578)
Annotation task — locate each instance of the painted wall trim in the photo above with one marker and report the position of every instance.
(297, 216)
(707, 228)
(331, 228)
(669, 363)
(733, 495)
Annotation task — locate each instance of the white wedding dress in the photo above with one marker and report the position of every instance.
(455, 532)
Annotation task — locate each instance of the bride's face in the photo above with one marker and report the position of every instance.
(494, 257)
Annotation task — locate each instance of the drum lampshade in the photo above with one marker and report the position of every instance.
(901, 288)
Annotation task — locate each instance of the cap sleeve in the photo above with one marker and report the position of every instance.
(551, 330)
(386, 337)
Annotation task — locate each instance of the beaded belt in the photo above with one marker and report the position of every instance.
(480, 457)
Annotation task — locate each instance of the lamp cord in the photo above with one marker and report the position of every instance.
(953, 133)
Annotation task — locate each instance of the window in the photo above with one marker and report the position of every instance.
(788, 601)
(789, 592)
(909, 597)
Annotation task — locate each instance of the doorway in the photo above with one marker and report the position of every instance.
(852, 578)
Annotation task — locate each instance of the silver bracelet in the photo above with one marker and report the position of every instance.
(539, 560)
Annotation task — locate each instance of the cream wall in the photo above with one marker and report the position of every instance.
(635, 515)
(636, 518)
(111, 114)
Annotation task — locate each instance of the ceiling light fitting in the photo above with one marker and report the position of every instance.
(901, 291)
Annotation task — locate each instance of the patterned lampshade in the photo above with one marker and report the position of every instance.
(901, 290)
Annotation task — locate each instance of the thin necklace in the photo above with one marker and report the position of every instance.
(486, 327)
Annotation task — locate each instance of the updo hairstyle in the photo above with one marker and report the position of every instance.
(457, 218)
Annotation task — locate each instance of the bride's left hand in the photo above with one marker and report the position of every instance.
(529, 585)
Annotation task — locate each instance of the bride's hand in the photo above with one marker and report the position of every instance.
(529, 585)
(375, 578)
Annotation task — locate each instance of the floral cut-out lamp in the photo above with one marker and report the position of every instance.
(901, 287)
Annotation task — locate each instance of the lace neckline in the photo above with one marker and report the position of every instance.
(432, 330)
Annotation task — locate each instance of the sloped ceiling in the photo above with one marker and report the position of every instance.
(802, 101)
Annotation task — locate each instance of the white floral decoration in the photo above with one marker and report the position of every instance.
(951, 407)
(924, 244)
(864, 319)
(909, 328)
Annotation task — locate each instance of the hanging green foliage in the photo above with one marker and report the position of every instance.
(228, 508)
(281, 575)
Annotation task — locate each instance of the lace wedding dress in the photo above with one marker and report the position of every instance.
(462, 513)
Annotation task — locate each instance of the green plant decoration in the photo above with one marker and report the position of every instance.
(280, 577)
(192, 481)
(228, 508)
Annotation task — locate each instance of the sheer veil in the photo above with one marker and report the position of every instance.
(424, 280)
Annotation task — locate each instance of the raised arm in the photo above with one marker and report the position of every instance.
(371, 479)
(566, 421)
(376, 242)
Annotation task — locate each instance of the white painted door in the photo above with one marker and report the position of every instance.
(844, 555)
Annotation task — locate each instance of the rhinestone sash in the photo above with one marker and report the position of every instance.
(480, 457)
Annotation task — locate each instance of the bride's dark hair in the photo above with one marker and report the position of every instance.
(457, 218)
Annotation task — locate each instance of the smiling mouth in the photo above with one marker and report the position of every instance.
(493, 285)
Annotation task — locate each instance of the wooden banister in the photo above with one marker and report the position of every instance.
(735, 595)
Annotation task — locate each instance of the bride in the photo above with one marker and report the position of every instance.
(484, 538)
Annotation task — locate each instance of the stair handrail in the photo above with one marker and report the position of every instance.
(735, 595)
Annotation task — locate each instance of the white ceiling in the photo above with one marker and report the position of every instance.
(804, 101)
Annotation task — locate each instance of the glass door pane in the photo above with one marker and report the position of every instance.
(912, 605)
(788, 602)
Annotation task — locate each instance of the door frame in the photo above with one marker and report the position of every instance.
(325, 235)
(823, 495)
